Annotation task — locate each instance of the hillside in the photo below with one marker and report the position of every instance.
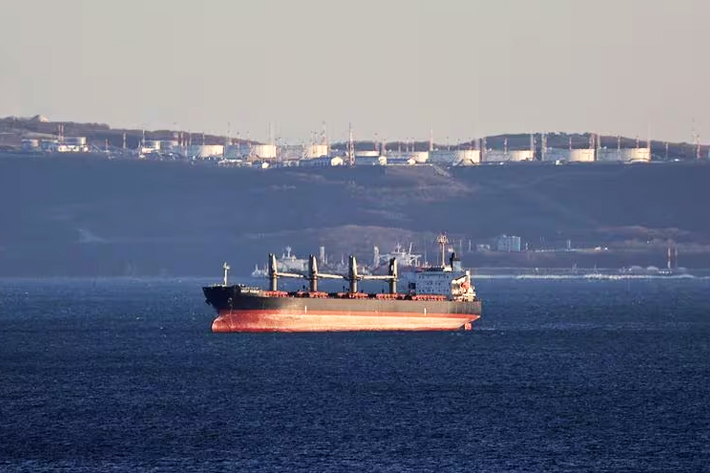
(83, 216)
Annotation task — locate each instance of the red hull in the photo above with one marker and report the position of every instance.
(326, 321)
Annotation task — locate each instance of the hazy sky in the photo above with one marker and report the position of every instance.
(394, 68)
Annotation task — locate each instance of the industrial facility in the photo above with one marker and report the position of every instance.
(493, 150)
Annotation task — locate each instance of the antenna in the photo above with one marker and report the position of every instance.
(696, 140)
(351, 146)
(618, 147)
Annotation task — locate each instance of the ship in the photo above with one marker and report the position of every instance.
(288, 263)
(439, 298)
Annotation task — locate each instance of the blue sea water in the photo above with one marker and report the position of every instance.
(558, 376)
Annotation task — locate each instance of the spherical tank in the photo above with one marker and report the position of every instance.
(267, 151)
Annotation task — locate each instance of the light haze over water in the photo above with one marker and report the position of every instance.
(393, 68)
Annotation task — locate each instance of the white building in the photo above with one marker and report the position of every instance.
(508, 243)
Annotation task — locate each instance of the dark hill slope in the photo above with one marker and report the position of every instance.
(76, 216)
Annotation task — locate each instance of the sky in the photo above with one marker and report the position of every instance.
(394, 69)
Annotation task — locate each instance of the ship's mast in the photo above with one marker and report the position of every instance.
(226, 268)
(442, 240)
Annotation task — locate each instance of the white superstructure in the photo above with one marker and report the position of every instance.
(454, 284)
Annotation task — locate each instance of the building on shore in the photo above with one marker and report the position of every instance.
(508, 243)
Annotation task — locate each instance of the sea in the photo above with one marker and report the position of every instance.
(124, 375)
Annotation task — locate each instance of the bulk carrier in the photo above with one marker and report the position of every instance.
(439, 298)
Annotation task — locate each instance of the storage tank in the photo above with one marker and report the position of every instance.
(495, 155)
(584, 155)
(467, 157)
(263, 151)
(206, 151)
(636, 155)
(624, 155)
(315, 151)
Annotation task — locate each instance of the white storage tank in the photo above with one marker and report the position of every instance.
(494, 156)
(316, 151)
(206, 151)
(521, 155)
(636, 155)
(584, 155)
(261, 151)
(624, 155)
(467, 157)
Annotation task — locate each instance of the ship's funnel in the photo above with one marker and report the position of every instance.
(313, 273)
(273, 275)
(352, 273)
